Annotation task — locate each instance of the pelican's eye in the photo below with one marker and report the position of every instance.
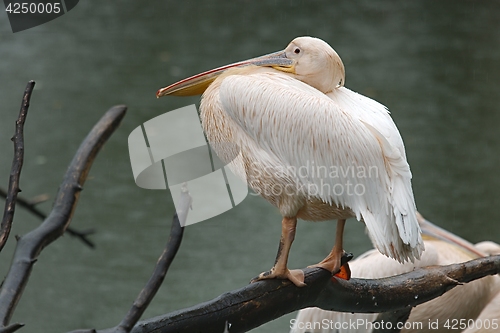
(296, 50)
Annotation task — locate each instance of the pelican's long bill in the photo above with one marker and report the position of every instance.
(197, 84)
(431, 231)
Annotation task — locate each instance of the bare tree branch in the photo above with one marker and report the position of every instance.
(160, 271)
(154, 283)
(27, 204)
(260, 302)
(30, 245)
(17, 164)
(30, 205)
(410, 289)
(12, 328)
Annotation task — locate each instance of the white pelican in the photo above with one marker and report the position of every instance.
(311, 147)
(465, 302)
(489, 319)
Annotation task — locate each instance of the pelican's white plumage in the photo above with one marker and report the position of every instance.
(399, 193)
(330, 152)
(317, 131)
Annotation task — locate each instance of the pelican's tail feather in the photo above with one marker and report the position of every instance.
(405, 214)
(385, 235)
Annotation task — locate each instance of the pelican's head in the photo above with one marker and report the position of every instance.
(307, 59)
(315, 63)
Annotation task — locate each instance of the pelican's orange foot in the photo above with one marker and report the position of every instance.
(296, 276)
(331, 263)
(337, 264)
(344, 273)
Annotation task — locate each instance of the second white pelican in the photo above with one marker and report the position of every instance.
(463, 303)
(311, 147)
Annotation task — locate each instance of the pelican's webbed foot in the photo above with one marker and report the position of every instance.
(296, 276)
(337, 265)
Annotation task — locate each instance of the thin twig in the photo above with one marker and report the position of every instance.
(149, 291)
(30, 245)
(38, 199)
(26, 204)
(154, 283)
(11, 328)
(30, 205)
(82, 235)
(17, 164)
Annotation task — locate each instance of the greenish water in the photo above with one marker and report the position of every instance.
(436, 65)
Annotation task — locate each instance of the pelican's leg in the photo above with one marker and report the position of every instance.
(332, 262)
(280, 270)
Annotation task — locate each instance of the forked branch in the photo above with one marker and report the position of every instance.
(30, 245)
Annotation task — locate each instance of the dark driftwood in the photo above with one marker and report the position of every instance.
(258, 303)
(30, 205)
(17, 164)
(30, 245)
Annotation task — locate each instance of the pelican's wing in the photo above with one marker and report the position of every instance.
(375, 116)
(372, 113)
(328, 149)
